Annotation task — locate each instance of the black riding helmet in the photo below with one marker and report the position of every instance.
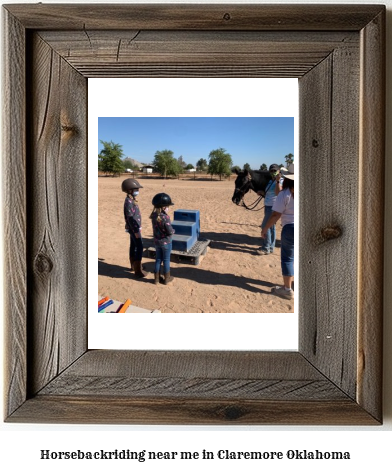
(162, 200)
(274, 168)
(129, 184)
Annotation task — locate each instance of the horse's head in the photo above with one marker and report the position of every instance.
(242, 185)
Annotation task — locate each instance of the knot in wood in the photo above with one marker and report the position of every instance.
(69, 128)
(232, 413)
(328, 233)
(43, 264)
(227, 16)
(315, 143)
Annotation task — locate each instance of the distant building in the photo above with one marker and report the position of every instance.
(147, 169)
(192, 170)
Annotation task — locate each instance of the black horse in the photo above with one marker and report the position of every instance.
(246, 180)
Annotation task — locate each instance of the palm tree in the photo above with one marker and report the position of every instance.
(289, 159)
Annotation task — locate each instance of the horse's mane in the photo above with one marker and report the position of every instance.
(259, 182)
(261, 173)
(260, 179)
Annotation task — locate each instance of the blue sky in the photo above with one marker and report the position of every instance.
(253, 140)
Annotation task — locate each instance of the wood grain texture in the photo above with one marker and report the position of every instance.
(338, 52)
(208, 375)
(329, 146)
(14, 197)
(155, 411)
(57, 210)
(195, 17)
(371, 216)
(196, 53)
(188, 387)
(208, 364)
(192, 387)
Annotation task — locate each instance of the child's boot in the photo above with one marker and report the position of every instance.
(168, 278)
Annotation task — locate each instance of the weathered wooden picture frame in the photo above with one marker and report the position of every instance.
(338, 54)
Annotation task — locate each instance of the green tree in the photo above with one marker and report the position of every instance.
(202, 165)
(263, 167)
(220, 163)
(235, 169)
(289, 159)
(189, 167)
(247, 167)
(165, 163)
(109, 158)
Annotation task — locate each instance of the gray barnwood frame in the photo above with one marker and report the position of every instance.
(337, 53)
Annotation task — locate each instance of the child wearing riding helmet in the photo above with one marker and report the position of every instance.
(133, 225)
(163, 235)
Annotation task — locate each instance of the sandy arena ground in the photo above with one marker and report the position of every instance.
(230, 278)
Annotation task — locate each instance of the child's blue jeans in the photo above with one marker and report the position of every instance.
(162, 255)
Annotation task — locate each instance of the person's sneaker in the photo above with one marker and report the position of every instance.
(262, 252)
(283, 293)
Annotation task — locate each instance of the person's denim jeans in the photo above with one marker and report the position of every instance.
(135, 248)
(162, 256)
(287, 250)
(268, 243)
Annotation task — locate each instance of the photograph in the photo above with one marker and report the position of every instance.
(199, 194)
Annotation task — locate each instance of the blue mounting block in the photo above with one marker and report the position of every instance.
(186, 224)
(183, 243)
(186, 215)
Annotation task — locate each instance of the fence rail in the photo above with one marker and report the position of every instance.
(183, 176)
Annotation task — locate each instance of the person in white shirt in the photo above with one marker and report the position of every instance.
(283, 209)
(273, 189)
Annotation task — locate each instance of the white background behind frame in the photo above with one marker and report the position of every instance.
(190, 97)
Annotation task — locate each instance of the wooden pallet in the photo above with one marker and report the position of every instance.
(193, 257)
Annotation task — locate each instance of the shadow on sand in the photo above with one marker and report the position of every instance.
(113, 271)
(223, 241)
(198, 275)
(234, 242)
(209, 277)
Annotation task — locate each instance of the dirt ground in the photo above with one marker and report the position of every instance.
(230, 278)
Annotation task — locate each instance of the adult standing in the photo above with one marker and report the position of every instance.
(272, 190)
(133, 225)
(284, 209)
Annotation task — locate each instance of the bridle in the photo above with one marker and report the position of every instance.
(249, 185)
